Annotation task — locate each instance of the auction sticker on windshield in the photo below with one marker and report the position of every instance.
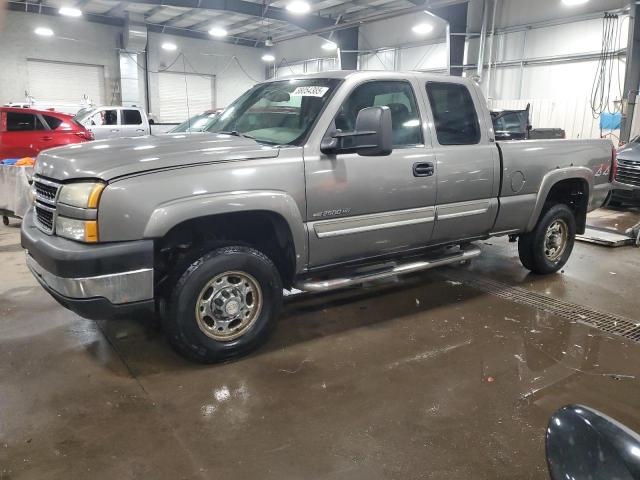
(309, 91)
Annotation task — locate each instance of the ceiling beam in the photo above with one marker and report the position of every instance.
(187, 32)
(180, 17)
(117, 11)
(153, 11)
(432, 5)
(119, 22)
(47, 10)
(305, 22)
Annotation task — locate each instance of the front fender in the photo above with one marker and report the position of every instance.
(169, 214)
(552, 178)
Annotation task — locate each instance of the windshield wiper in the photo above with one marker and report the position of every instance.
(236, 133)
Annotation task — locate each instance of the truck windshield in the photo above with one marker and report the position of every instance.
(197, 123)
(277, 113)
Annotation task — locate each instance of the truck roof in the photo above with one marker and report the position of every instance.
(343, 74)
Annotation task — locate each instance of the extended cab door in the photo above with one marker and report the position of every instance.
(132, 123)
(104, 124)
(358, 206)
(467, 159)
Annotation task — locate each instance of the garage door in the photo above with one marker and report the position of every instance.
(65, 83)
(176, 95)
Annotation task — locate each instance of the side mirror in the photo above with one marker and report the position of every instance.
(371, 138)
(584, 443)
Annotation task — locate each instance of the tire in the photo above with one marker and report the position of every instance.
(5, 220)
(538, 251)
(195, 325)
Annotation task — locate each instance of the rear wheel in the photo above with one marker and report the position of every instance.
(224, 305)
(547, 248)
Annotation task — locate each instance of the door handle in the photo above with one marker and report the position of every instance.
(140, 130)
(423, 169)
(115, 130)
(47, 138)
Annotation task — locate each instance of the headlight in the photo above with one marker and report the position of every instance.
(80, 230)
(83, 194)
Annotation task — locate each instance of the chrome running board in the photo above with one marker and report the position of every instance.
(312, 285)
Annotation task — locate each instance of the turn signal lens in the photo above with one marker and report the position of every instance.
(81, 194)
(79, 230)
(91, 231)
(94, 196)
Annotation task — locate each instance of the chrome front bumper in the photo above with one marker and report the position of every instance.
(117, 288)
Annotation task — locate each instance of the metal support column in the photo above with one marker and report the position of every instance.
(456, 15)
(632, 73)
(348, 43)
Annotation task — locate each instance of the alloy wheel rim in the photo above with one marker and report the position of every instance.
(556, 239)
(228, 305)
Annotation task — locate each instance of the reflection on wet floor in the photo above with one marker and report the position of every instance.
(420, 377)
(614, 219)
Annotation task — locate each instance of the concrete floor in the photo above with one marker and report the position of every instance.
(424, 377)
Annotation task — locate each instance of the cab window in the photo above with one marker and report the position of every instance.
(454, 114)
(398, 96)
(104, 117)
(131, 117)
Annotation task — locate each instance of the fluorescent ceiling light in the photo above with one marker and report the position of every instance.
(169, 46)
(267, 57)
(329, 46)
(571, 3)
(43, 32)
(217, 32)
(70, 12)
(298, 6)
(422, 28)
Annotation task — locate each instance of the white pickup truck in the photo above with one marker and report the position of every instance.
(116, 122)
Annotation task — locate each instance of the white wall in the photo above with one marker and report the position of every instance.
(559, 93)
(75, 41)
(303, 55)
(236, 68)
(520, 12)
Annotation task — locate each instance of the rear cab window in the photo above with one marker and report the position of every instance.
(131, 117)
(454, 113)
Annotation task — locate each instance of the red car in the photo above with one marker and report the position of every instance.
(24, 132)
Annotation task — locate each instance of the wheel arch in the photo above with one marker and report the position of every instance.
(268, 221)
(571, 186)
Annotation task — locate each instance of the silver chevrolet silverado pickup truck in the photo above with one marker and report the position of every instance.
(316, 182)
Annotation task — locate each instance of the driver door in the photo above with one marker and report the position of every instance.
(104, 124)
(360, 207)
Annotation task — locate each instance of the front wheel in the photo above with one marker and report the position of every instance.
(224, 305)
(547, 248)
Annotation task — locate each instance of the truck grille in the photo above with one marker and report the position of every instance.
(46, 193)
(44, 219)
(628, 172)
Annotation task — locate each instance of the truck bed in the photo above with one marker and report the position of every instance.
(526, 165)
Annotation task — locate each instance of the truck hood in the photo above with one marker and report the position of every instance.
(109, 159)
